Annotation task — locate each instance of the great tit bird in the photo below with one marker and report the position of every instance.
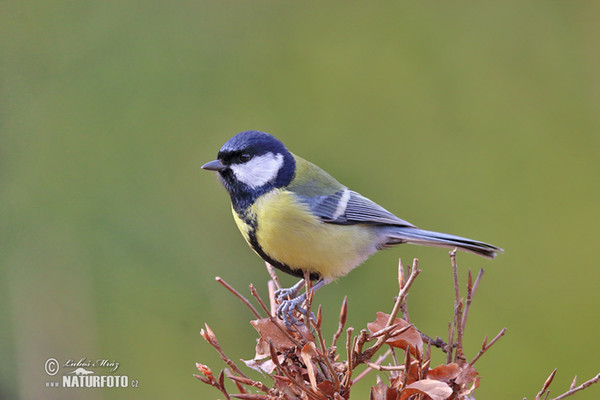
(298, 218)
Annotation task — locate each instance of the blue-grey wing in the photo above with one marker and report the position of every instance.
(347, 207)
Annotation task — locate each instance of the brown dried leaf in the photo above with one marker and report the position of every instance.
(268, 331)
(436, 390)
(262, 349)
(266, 366)
(308, 352)
(283, 385)
(409, 339)
(466, 376)
(466, 393)
(413, 376)
(326, 387)
(382, 392)
(444, 373)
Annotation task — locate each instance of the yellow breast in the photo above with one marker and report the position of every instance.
(288, 233)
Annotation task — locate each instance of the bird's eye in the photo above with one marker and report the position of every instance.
(245, 157)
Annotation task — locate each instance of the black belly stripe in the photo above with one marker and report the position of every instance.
(280, 266)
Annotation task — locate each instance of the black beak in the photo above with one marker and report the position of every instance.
(216, 165)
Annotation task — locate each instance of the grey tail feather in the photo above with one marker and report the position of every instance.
(399, 234)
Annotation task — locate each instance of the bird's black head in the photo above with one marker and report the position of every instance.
(250, 164)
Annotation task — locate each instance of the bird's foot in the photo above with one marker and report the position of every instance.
(287, 308)
(290, 303)
(286, 294)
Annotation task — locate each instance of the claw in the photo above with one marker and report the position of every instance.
(290, 302)
(286, 294)
(287, 308)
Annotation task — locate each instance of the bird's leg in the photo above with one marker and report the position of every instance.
(290, 301)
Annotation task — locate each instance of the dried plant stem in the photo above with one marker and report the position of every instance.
(458, 316)
(407, 364)
(251, 396)
(272, 303)
(238, 295)
(401, 282)
(388, 329)
(211, 338)
(239, 386)
(350, 359)
(437, 342)
(342, 321)
(301, 366)
(578, 388)
(309, 297)
(471, 289)
(301, 386)
(369, 368)
(273, 275)
(271, 317)
(249, 382)
(379, 367)
(415, 271)
(485, 346)
(324, 356)
(546, 385)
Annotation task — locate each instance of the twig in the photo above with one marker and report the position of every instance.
(437, 342)
(342, 321)
(275, 360)
(324, 356)
(451, 343)
(458, 328)
(239, 296)
(228, 374)
(394, 358)
(273, 274)
(272, 303)
(407, 364)
(485, 347)
(273, 318)
(415, 271)
(208, 378)
(349, 360)
(369, 369)
(471, 289)
(578, 388)
(211, 338)
(250, 382)
(455, 275)
(250, 396)
(379, 367)
(401, 282)
(309, 298)
(546, 385)
(388, 329)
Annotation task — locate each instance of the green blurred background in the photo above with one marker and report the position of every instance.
(474, 118)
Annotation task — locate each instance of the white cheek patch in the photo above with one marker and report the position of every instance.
(259, 170)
